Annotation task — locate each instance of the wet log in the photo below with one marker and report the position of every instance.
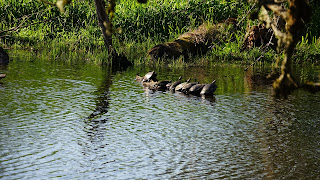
(195, 42)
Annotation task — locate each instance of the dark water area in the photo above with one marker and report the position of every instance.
(61, 120)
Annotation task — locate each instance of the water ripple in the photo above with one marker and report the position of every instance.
(47, 132)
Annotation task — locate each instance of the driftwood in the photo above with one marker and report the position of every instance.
(194, 42)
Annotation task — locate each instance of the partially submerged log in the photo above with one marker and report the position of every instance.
(195, 42)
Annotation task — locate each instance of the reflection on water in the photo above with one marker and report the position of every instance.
(81, 121)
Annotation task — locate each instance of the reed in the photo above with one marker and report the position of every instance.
(139, 27)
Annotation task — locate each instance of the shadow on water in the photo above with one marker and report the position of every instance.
(119, 63)
(102, 103)
(285, 136)
(3, 70)
(95, 122)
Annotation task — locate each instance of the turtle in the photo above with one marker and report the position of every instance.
(2, 76)
(209, 89)
(168, 85)
(161, 85)
(150, 76)
(139, 78)
(176, 83)
(151, 85)
(187, 86)
(195, 90)
(180, 86)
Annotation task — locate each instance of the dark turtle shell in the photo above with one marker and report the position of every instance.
(161, 85)
(209, 89)
(195, 90)
(187, 86)
(180, 86)
(176, 83)
(150, 76)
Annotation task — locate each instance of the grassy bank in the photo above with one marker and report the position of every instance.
(75, 35)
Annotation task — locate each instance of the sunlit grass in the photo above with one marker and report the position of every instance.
(138, 27)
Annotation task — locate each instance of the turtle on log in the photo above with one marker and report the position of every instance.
(161, 85)
(180, 86)
(187, 86)
(209, 89)
(176, 83)
(205, 90)
(196, 89)
(150, 76)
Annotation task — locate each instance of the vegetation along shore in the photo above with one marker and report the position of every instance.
(132, 31)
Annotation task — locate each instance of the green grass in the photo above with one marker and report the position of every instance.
(164, 19)
(76, 35)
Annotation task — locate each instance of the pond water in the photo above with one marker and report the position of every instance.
(68, 120)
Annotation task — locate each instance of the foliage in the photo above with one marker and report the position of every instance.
(163, 19)
(313, 27)
(306, 50)
(138, 28)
